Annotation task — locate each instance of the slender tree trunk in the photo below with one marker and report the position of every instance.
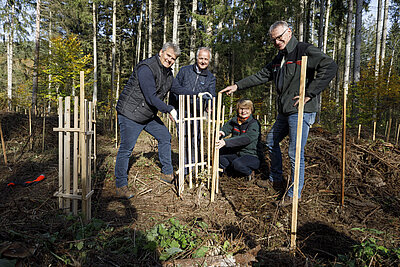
(326, 27)
(378, 38)
(175, 32)
(321, 24)
(150, 49)
(384, 31)
(347, 56)
(193, 31)
(357, 42)
(139, 35)
(165, 21)
(94, 53)
(114, 44)
(301, 21)
(146, 14)
(36, 63)
(339, 62)
(10, 53)
(312, 29)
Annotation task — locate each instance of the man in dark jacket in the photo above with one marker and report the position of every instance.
(240, 149)
(137, 109)
(200, 80)
(285, 71)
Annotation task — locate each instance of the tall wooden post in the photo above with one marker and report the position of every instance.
(82, 142)
(216, 150)
(298, 151)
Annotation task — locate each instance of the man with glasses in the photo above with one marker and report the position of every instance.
(284, 70)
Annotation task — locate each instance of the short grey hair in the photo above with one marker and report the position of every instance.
(174, 47)
(203, 48)
(278, 23)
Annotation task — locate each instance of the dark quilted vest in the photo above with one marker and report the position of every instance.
(131, 102)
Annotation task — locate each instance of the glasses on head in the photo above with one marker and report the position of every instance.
(278, 38)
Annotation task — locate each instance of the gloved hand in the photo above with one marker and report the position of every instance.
(174, 115)
(206, 95)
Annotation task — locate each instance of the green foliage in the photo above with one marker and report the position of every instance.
(173, 238)
(370, 252)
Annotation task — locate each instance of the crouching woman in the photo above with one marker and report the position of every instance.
(239, 151)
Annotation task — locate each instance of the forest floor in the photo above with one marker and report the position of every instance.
(242, 219)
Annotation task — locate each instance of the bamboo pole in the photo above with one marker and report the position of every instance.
(216, 150)
(181, 139)
(298, 151)
(374, 132)
(3, 145)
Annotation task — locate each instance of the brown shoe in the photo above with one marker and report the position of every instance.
(124, 192)
(168, 178)
(285, 202)
(269, 184)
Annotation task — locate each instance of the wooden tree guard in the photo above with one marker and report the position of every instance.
(298, 150)
(82, 156)
(192, 119)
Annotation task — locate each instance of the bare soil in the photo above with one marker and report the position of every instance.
(243, 213)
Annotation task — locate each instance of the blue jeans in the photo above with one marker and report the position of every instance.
(243, 164)
(130, 131)
(284, 126)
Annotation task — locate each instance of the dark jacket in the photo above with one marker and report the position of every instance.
(245, 137)
(189, 78)
(131, 102)
(320, 71)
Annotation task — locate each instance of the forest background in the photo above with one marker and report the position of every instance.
(45, 44)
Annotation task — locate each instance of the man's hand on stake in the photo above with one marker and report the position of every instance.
(230, 89)
(173, 115)
(306, 99)
(220, 144)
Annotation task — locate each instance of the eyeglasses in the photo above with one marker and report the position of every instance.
(278, 38)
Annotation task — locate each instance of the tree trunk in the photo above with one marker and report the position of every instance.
(378, 38)
(193, 31)
(94, 53)
(165, 22)
(150, 49)
(146, 13)
(326, 26)
(175, 32)
(347, 56)
(301, 21)
(321, 24)
(312, 21)
(36, 63)
(338, 61)
(10, 53)
(139, 35)
(357, 42)
(384, 31)
(114, 44)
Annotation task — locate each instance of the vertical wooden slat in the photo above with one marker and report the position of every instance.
(189, 142)
(67, 153)
(201, 133)
(82, 146)
(75, 153)
(373, 134)
(181, 144)
(60, 152)
(359, 132)
(88, 127)
(94, 137)
(209, 151)
(196, 149)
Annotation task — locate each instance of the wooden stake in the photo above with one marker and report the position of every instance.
(181, 144)
(189, 142)
(43, 129)
(30, 129)
(298, 150)
(82, 145)
(195, 129)
(3, 145)
(67, 153)
(202, 132)
(60, 152)
(94, 137)
(75, 153)
(209, 151)
(343, 173)
(398, 133)
(374, 131)
(359, 131)
(216, 151)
